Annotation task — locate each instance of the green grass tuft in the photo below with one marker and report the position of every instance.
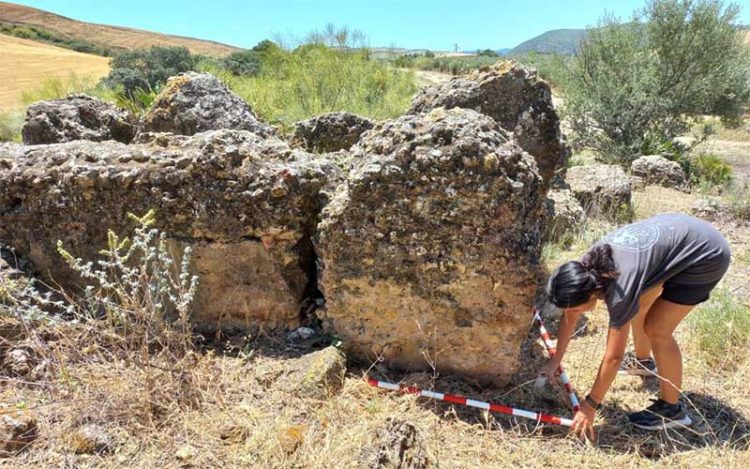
(721, 327)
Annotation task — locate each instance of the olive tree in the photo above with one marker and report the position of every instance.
(636, 83)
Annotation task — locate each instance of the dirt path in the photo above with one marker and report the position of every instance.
(427, 78)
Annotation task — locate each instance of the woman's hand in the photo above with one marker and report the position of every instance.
(583, 422)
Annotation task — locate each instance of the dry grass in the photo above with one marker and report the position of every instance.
(24, 63)
(110, 36)
(219, 409)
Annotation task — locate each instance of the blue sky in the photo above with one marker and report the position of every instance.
(433, 24)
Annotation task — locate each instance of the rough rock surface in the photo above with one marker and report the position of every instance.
(603, 190)
(564, 214)
(246, 205)
(77, 117)
(18, 429)
(196, 102)
(431, 248)
(517, 99)
(655, 169)
(90, 439)
(330, 132)
(317, 375)
(397, 444)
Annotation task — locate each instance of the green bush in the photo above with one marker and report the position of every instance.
(10, 126)
(710, 169)
(721, 327)
(645, 78)
(147, 69)
(315, 79)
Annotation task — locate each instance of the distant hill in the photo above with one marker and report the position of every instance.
(557, 41)
(24, 63)
(67, 31)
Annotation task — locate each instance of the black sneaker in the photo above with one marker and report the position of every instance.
(661, 415)
(631, 365)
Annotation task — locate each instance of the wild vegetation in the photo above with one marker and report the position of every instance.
(638, 82)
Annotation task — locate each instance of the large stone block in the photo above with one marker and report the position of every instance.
(603, 190)
(196, 102)
(77, 117)
(330, 132)
(247, 205)
(517, 99)
(429, 253)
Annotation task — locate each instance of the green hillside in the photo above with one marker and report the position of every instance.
(557, 41)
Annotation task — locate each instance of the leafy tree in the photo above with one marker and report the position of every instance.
(487, 53)
(633, 83)
(246, 62)
(148, 69)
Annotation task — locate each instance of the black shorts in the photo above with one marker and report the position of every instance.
(679, 289)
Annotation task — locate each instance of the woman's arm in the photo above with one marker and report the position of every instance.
(617, 340)
(564, 333)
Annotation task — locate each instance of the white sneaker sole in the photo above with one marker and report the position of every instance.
(666, 424)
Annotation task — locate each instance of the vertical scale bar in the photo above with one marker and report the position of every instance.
(551, 352)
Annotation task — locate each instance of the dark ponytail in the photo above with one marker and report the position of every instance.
(573, 282)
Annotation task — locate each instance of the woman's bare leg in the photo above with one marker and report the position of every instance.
(661, 321)
(641, 342)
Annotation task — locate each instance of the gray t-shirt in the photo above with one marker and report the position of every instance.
(657, 249)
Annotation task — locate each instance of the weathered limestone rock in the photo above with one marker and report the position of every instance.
(316, 375)
(432, 245)
(655, 169)
(196, 102)
(397, 444)
(90, 439)
(517, 99)
(77, 117)
(247, 206)
(18, 429)
(564, 214)
(603, 190)
(330, 132)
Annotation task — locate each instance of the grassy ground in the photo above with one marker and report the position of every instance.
(24, 63)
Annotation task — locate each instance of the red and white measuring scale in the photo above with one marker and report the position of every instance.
(491, 407)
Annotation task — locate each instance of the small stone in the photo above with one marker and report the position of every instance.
(397, 444)
(90, 439)
(18, 362)
(18, 429)
(185, 454)
(290, 437)
(234, 434)
(300, 334)
(316, 375)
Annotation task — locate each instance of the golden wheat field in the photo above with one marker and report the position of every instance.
(24, 63)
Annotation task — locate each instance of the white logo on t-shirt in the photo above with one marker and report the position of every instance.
(635, 238)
